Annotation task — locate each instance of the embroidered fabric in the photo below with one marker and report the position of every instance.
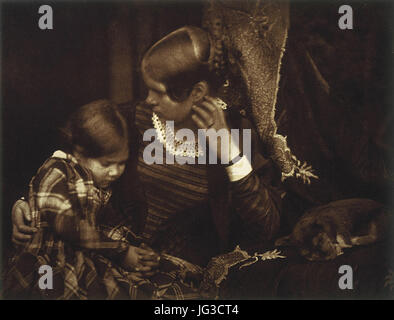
(219, 267)
(249, 40)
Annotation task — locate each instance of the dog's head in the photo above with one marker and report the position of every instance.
(315, 240)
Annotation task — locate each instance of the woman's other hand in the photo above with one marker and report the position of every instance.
(21, 217)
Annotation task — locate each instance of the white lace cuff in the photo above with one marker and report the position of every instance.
(239, 170)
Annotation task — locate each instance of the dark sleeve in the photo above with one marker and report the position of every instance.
(258, 207)
(257, 197)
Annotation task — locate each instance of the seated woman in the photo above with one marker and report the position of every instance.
(192, 211)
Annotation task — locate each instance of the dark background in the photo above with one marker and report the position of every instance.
(48, 73)
(94, 50)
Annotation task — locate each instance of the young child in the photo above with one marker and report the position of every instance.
(66, 197)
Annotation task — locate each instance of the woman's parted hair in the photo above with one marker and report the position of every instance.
(98, 128)
(180, 60)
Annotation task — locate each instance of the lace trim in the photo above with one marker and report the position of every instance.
(174, 146)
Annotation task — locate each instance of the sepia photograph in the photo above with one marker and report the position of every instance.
(197, 150)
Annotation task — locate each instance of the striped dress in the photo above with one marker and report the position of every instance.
(178, 202)
(170, 189)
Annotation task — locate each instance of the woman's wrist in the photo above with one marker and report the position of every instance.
(239, 170)
(234, 160)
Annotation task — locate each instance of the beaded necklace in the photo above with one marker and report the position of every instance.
(174, 146)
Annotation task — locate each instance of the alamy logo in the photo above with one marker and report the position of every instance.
(154, 151)
(46, 20)
(46, 280)
(345, 281)
(346, 20)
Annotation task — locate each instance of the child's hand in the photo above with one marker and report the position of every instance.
(131, 259)
(149, 261)
(142, 260)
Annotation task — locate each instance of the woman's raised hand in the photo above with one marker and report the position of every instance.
(208, 114)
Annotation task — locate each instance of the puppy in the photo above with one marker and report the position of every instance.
(322, 233)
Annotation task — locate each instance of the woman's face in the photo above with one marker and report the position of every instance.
(106, 169)
(162, 104)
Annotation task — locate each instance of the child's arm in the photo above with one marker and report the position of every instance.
(116, 226)
(56, 207)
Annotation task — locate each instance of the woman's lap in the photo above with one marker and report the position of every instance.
(93, 276)
(291, 276)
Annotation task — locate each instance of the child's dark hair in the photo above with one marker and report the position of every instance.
(97, 128)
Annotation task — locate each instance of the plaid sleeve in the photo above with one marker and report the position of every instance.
(57, 207)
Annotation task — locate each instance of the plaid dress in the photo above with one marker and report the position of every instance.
(84, 255)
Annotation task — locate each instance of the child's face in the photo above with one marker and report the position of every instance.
(106, 169)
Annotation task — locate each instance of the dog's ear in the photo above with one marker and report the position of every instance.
(284, 241)
(329, 227)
